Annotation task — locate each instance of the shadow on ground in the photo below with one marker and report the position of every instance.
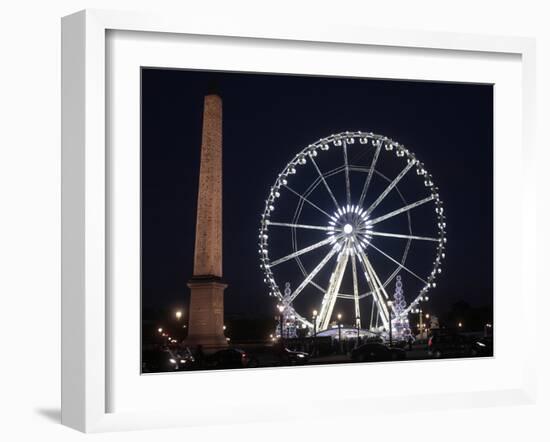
(51, 414)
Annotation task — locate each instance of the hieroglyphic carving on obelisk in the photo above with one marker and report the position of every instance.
(206, 305)
(208, 236)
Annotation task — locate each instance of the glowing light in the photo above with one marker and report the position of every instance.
(348, 229)
(179, 314)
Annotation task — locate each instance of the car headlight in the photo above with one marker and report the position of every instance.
(301, 356)
(183, 361)
(172, 361)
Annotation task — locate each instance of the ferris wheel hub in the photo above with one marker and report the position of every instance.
(348, 228)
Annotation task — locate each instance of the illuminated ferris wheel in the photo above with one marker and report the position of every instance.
(344, 217)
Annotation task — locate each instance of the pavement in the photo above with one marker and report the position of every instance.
(417, 353)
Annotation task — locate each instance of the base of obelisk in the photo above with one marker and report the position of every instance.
(206, 318)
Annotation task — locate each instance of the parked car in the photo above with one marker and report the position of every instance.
(162, 360)
(449, 345)
(374, 340)
(482, 347)
(372, 352)
(229, 358)
(291, 357)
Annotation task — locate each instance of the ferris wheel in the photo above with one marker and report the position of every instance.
(346, 217)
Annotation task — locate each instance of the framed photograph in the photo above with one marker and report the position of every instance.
(278, 221)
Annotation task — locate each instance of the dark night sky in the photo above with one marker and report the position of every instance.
(267, 120)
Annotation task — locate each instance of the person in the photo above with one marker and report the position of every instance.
(410, 342)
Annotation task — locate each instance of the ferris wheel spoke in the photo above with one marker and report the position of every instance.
(355, 292)
(397, 235)
(303, 226)
(376, 287)
(398, 263)
(305, 250)
(346, 173)
(327, 305)
(390, 187)
(324, 182)
(314, 272)
(307, 201)
(388, 312)
(362, 261)
(401, 210)
(369, 176)
(371, 313)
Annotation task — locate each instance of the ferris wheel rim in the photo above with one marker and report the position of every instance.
(379, 141)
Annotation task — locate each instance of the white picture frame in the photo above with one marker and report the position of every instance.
(86, 314)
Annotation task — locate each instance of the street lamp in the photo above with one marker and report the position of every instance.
(460, 325)
(179, 314)
(281, 309)
(160, 330)
(420, 324)
(314, 331)
(390, 304)
(340, 332)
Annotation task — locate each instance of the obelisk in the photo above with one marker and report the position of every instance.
(206, 304)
